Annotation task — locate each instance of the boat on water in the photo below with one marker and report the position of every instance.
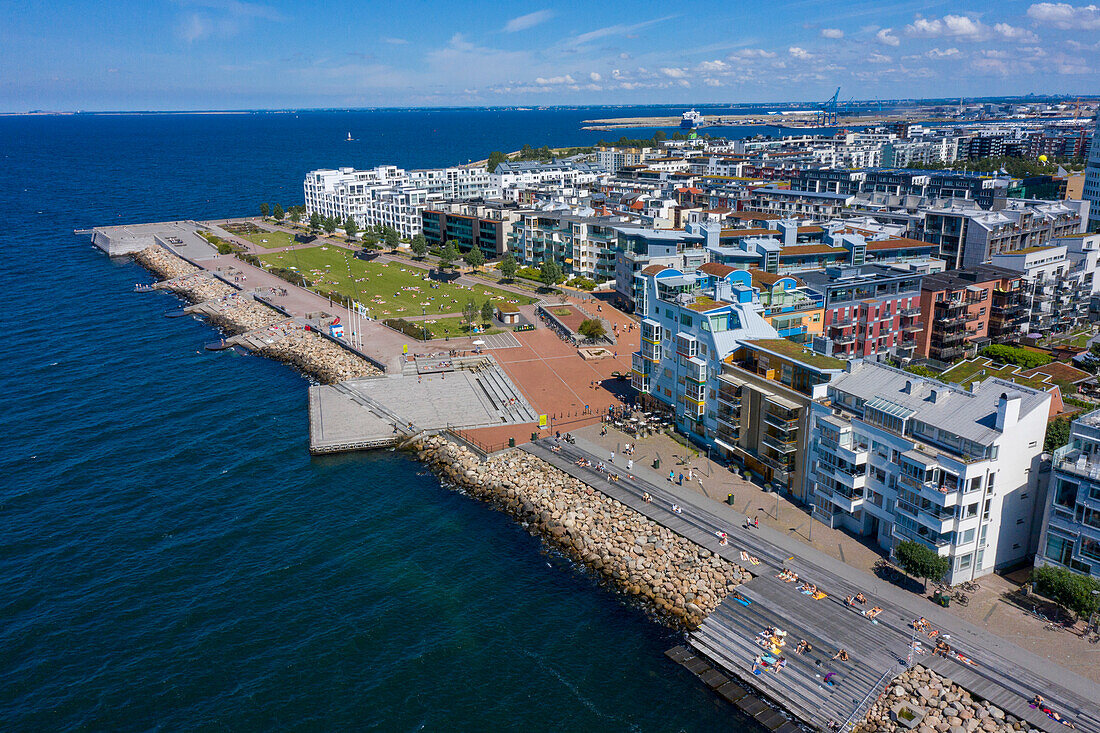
(690, 120)
(350, 138)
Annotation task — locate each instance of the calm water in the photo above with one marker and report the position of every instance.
(172, 558)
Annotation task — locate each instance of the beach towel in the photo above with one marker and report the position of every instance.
(819, 595)
(754, 561)
(805, 592)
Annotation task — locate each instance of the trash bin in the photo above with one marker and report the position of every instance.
(511, 442)
(656, 462)
(534, 437)
(941, 598)
(729, 499)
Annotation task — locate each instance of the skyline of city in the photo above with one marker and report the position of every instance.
(227, 54)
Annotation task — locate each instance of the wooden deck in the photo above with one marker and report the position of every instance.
(1002, 673)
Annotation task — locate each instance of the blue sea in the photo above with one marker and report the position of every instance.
(171, 557)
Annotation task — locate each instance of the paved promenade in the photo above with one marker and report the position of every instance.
(1001, 672)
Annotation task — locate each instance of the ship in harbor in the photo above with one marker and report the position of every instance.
(690, 120)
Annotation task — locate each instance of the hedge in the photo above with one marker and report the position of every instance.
(1015, 355)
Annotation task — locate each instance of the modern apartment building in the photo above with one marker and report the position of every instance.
(512, 177)
(968, 236)
(963, 310)
(1091, 191)
(763, 409)
(870, 311)
(637, 248)
(486, 225)
(895, 457)
(582, 244)
(1059, 284)
(798, 203)
(388, 195)
(984, 190)
(1071, 522)
(691, 321)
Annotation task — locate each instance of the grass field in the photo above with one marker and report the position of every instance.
(390, 290)
(273, 239)
(455, 326)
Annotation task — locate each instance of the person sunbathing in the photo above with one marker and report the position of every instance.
(874, 612)
(920, 624)
(860, 598)
(849, 601)
(841, 655)
(942, 648)
(1037, 701)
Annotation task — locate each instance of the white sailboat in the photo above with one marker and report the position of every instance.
(350, 139)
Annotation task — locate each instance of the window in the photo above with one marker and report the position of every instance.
(970, 511)
(967, 536)
(975, 484)
(685, 320)
(965, 560)
(1059, 549)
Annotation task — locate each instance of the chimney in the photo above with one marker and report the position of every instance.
(1008, 411)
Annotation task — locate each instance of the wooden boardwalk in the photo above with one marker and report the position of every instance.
(1001, 672)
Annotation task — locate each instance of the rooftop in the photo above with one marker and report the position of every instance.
(796, 352)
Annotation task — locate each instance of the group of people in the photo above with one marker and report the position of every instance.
(1038, 703)
(857, 598)
(787, 576)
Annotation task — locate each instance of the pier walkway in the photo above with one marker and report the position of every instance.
(1001, 672)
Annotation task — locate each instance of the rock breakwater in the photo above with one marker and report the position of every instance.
(680, 580)
(163, 263)
(937, 705)
(318, 357)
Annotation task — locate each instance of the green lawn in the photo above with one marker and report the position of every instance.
(388, 289)
(271, 240)
(966, 372)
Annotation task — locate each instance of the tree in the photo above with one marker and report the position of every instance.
(315, 222)
(264, 210)
(921, 561)
(419, 246)
(391, 237)
(487, 311)
(591, 329)
(509, 266)
(1074, 591)
(295, 215)
(551, 273)
(474, 258)
(1057, 434)
(922, 371)
(278, 212)
(329, 224)
(470, 312)
(350, 227)
(495, 158)
(448, 256)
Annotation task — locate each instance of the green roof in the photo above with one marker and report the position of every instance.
(797, 352)
(981, 368)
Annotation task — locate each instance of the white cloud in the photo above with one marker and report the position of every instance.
(752, 53)
(530, 20)
(887, 38)
(615, 30)
(936, 53)
(713, 66)
(832, 33)
(799, 53)
(953, 26)
(673, 73)
(1065, 16)
(1012, 33)
(878, 58)
(712, 82)
(595, 76)
(1071, 65)
(394, 41)
(555, 80)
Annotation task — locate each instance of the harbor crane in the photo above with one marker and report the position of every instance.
(828, 110)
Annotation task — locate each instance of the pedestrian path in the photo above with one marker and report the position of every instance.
(1000, 671)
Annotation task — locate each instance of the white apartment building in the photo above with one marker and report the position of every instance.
(1061, 280)
(1092, 180)
(1071, 525)
(388, 195)
(899, 457)
(612, 159)
(511, 178)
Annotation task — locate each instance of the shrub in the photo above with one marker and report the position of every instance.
(1071, 590)
(582, 283)
(1015, 355)
(591, 329)
(922, 371)
(409, 328)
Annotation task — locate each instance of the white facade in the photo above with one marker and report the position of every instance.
(900, 457)
(1092, 180)
(511, 178)
(388, 195)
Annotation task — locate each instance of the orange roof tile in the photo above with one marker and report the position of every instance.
(653, 269)
(747, 232)
(716, 268)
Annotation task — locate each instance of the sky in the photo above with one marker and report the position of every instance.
(231, 54)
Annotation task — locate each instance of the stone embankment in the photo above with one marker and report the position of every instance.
(318, 357)
(681, 580)
(945, 707)
(163, 263)
(237, 313)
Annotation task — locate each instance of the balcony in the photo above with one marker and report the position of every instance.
(912, 327)
(844, 339)
(949, 354)
(1077, 463)
(639, 364)
(781, 422)
(951, 337)
(935, 542)
(909, 312)
(780, 445)
(953, 320)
